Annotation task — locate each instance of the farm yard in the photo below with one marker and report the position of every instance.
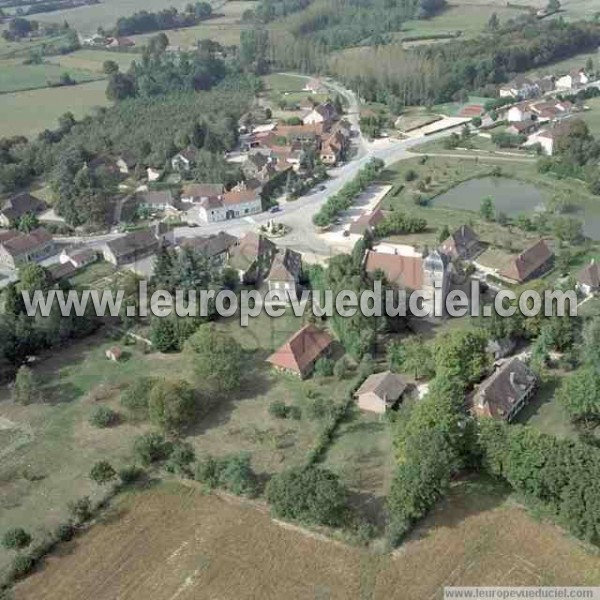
(177, 542)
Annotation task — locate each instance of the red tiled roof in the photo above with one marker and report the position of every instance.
(302, 349)
(522, 266)
(404, 271)
(240, 196)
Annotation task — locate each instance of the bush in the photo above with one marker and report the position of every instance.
(182, 456)
(16, 539)
(320, 408)
(295, 413)
(340, 370)
(410, 175)
(151, 448)
(233, 473)
(310, 494)
(102, 472)
(324, 367)
(81, 510)
(135, 397)
(103, 417)
(64, 532)
(278, 409)
(22, 565)
(171, 404)
(129, 475)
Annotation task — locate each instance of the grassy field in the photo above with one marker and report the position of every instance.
(30, 112)
(457, 18)
(224, 29)
(446, 173)
(14, 78)
(179, 543)
(280, 82)
(47, 448)
(592, 116)
(92, 60)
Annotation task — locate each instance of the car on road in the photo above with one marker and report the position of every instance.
(321, 188)
(275, 209)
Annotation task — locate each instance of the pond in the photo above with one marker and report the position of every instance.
(511, 196)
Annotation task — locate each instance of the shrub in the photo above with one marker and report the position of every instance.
(151, 447)
(102, 472)
(340, 370)
(278, 409)
(182, 456)
(311, 494)
(129, 475)
(81, 510)
(135, 396)
(320, 408)
(64, 532)
(295, 412)
(22, 565)
(103, 417)
(233, 473)
(410, 175)
(171, 404)
(16, 539)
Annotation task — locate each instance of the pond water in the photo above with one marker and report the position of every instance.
(511, 196)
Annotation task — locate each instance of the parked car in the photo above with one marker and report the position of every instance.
(275, 209)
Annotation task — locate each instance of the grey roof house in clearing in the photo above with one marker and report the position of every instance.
(380, 392)
(214, 247)
(506, 392)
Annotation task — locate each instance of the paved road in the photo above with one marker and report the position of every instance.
(298, 213)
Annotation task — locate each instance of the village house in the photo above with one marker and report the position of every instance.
(463, 243)
(333, 148)
(530, 264)
(300, 353)
(380, 392)
(573, 80)
(215, 248)
(158, 201)
(230, 205)
(184, 160)
(520, 87)
(366, 222)
(130, 248)
(425, 274)
(197, 192)
(70, 261)
(18, 206)
(23, 248)
(323, 113)
(252, 257)
(588, 279)
(506, 392)
(284, 275)
(153, 174)
(78, 257)
(119, 43)
(522, 127)
(519, 112)
(313, 86)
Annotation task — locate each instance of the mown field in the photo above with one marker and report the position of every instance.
(92, 60)
(175, 542)
(19, 77)
(30, 112)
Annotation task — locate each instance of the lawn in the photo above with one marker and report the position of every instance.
(15, 78)
(280, 82)
(545, 413)
(177, 542)
(92, 60)
(28, 113)
(446, 173)
(93, 274)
